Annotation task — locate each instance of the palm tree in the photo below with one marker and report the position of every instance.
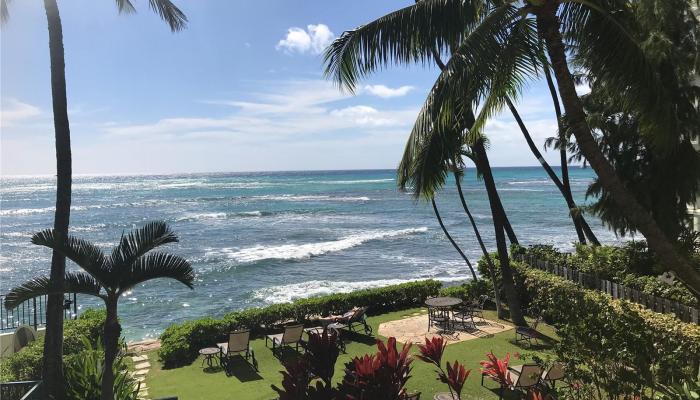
(407, 36)
(449, 237)
(108, 277)
(582, 228)
(52, 369)
(497, 50)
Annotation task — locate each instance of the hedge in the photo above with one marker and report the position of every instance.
(25, 365)
(620, 346)
(180, 343)
(630, 265)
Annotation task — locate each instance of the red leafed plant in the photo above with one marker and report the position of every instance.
(497, 369)
(379, 376)
(455, 376)
(431, 351)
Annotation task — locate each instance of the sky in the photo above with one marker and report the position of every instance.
(240, 89)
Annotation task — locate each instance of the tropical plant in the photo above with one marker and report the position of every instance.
(84, 372)
(685, 390)
(108, 277)
(496, 48)
(455, 375)
(497, 369)
(378, 376)
(53, 364)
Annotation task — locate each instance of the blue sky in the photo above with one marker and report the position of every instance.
(241, 89)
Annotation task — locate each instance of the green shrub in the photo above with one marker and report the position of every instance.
(469, 290)
(631, 265)
(84, 370)
(619, 346)
(181, 342)
(26, 364)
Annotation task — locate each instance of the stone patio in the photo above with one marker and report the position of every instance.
(414, 329)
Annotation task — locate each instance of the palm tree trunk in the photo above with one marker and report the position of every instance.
(482, 163)
(548, 28)
(573, 209)
(112, 332)
(487, 256)
(449, 237)
(580, 224)
(52, 368)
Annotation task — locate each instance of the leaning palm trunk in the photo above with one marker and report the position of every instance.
(574, 212)
(482, 163)
(449, 237)
(52, 368)
(487, 256)
(580, 224)
(548, 27)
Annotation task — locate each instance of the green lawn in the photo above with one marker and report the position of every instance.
(193, 382)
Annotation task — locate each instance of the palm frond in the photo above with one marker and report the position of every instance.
(4, 11)
(140, 241)
(156, 265)
(125, 7)
(608, 47)
(85, 254)
(74, 283)
(409, 35)
(168, 12)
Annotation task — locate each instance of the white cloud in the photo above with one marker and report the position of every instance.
(583, 89)
(387, 92)
(13, 111)
(312, 40)
(296, 109)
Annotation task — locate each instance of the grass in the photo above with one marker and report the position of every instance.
(194, 381)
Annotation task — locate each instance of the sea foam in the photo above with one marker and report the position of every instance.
(306, 250)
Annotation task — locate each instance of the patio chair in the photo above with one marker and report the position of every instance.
(525, 376)
(463, 314)
(238, 344)
(554, 373)
(439, 317)
(528, 333)
(290, 336)
(353, 319)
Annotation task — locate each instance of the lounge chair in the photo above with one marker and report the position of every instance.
(352, 319)
(238, 344)
(528, 333)
(439, 317)
(290, 336)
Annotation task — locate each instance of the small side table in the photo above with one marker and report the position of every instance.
(209, 354)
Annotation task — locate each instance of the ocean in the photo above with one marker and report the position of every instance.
(261, 238)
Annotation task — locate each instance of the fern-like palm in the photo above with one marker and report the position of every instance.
(131, 262)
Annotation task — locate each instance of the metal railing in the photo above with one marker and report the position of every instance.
(33, 312)
(24, 390)
(618, 291)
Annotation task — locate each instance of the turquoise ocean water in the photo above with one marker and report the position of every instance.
(262, 238)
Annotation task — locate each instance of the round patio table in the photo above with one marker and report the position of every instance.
(443, 302)
(209, 354)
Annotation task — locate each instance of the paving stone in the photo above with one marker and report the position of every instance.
(143, 365)
(141, 372)
(137, 359)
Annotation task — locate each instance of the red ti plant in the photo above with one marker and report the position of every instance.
(497, 369)
(455, 376)
(378, 376)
